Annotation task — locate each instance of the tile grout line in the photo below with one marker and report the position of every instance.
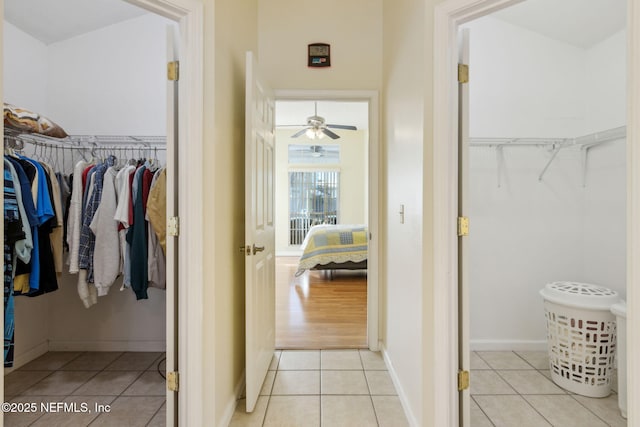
(275, 375)
(59, 369)
(127, 387)
(97, 372)
(588, 409)
(482, 410)
(320, 397)
(366, 379)
(523, 396)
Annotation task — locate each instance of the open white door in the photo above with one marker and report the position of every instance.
(172, 212)
(464, 355)
(259, 230)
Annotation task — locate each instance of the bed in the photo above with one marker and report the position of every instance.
(334, 247)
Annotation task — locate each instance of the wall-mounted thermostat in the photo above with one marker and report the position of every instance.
(319, 55)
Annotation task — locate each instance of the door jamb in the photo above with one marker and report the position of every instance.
(448, 16)
(189, 14)
(374, 273)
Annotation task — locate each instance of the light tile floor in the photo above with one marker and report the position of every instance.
(515, 389)
(302, 388)
(129, 383)
(325, 388)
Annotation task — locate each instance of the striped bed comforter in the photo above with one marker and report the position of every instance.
(325, 244)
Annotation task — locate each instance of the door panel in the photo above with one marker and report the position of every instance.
(259, 231)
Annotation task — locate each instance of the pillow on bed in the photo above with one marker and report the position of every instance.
(28, 121)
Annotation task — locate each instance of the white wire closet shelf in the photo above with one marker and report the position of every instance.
(583, 143)
(86, 146)
(87, 141)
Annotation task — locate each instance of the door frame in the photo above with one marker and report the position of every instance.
(448, 16)
(189, 14)
(374, 269)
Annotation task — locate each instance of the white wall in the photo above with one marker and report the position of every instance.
(606, 62)
(110, 81)
(352, 28)
(406, 303)
(526, 232)
(353, 181)
(605, 191)
(605, 217)
(117, 322)
(25, 83)
(507, 65)
(523, 235)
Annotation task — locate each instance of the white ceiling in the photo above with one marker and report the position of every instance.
(51, 21)
(579, 22)
(582, 23)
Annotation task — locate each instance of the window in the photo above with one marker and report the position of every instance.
(313, 199)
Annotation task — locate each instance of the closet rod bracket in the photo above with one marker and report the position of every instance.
(556, 149)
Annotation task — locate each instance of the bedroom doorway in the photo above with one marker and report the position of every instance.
(326, 173)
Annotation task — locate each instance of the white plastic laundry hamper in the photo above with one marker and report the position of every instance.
(581, 336)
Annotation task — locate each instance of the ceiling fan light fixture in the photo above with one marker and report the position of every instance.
(316, 127)
(314, 133)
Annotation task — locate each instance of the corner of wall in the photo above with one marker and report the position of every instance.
(402, 394)
(234, 32)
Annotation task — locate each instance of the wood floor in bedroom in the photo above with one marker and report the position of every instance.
(316, 311)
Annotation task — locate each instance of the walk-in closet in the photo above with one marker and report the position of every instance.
(85, 95)
(546, 195)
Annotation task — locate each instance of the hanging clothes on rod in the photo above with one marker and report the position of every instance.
(48, 213)
(31, 217)
(108, 208)
(17, 244)
(96, 207)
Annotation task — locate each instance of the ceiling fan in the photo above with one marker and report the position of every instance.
(316, 127)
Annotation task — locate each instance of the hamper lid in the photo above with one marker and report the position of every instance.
(583, 295)
(620, 309)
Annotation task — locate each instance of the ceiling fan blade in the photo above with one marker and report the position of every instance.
(347, 127)
(330, 134)
(299, 133)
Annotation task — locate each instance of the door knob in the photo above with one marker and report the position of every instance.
(257, 249)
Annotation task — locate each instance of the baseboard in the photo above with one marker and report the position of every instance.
(230, 407)
(289, 253)
(401, 393)
(507, 345)
(107, 346)
(27, 356)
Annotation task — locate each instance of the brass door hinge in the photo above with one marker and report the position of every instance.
(173, 71)
(463, 380)
(463, 226)
(173, 228)
(463, 73)
(173, 381)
